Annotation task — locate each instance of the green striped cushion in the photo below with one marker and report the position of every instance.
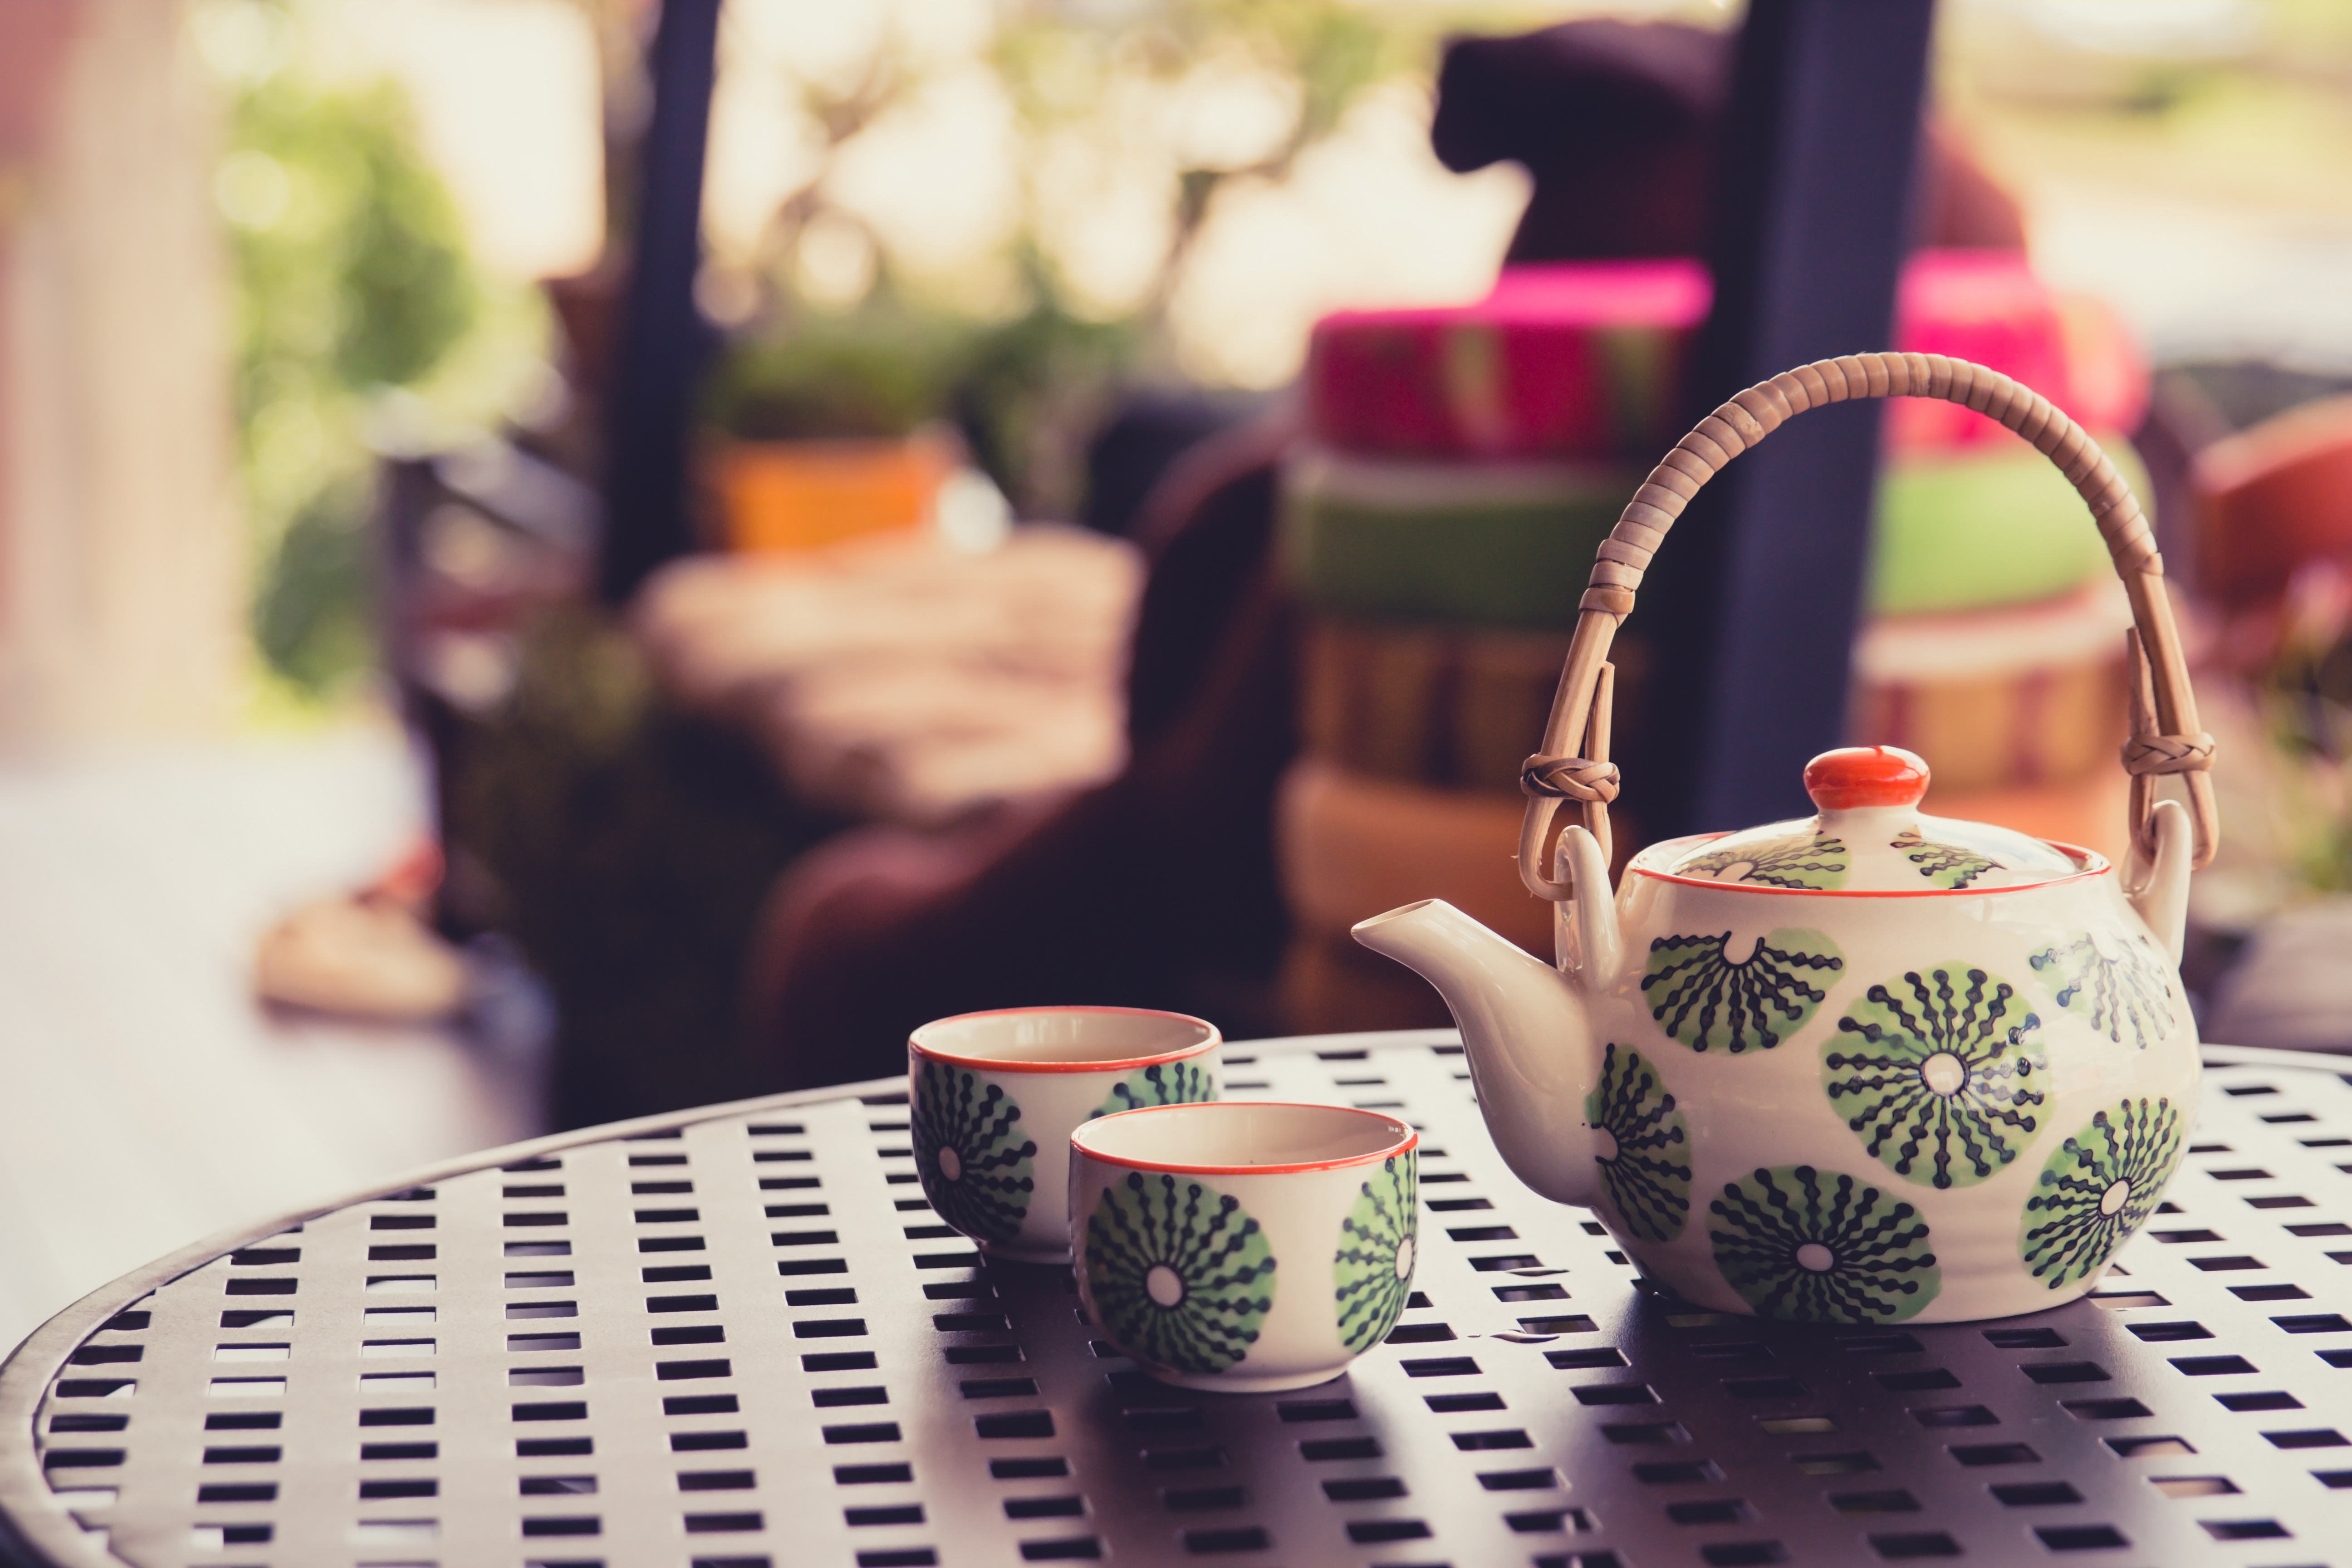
(1493, 545)
(1510, 545)
(1999, 526)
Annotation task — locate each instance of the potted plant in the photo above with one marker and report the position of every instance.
(826, 435)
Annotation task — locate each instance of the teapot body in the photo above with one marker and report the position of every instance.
(1873, 1065)
(1864, 1107)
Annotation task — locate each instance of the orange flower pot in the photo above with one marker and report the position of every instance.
(804, 495)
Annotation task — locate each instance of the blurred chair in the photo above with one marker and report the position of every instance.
(1156, 888)
(2272, 497)
(1147, 432)
(897, 679)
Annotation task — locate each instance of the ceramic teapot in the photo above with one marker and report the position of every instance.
(1867, 1065)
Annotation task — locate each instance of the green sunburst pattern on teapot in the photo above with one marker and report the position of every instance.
(2098, 1189)
(1371, 1270)
(1706, 999)
(1821, 1247)
(1642, 1144)
(1186, 1082)
(1178, 1271)
(1943, 865)
(1813, 860)
(970, 1152)
(1941, 1073)
(2126, 996)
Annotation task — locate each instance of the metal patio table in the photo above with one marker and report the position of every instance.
(737, 1337)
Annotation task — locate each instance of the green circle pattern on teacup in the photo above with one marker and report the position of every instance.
(2127, 995)
(1186, 1082)
(1179, 1271)
(2097, 1189)
(1813, 860)
(1940, 1074)
(1706, 1000)
(1373, 1270)
(1642, 1143)
(1820, 1246)
(969, 1150)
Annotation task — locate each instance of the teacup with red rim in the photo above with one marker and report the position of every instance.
(1246, 1245)
(993, 1098)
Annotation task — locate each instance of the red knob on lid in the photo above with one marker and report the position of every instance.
(1854, 776)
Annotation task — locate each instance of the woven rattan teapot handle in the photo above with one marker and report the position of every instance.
(2165, 737)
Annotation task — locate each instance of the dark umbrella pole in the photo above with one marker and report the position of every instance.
(665, 344)
(1754, 611)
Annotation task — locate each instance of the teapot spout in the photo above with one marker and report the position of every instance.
(1525, 1031)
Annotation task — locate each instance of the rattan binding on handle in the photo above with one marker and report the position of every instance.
(2166, 736)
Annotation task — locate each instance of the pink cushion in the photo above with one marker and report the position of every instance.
(1987, 306)
(1565, 361)
(1582, 360)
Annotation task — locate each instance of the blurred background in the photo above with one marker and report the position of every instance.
(561, 559)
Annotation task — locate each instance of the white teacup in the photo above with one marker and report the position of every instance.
(1245, 1246)
(993, 1098)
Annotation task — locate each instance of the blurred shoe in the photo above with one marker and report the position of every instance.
(369, 954)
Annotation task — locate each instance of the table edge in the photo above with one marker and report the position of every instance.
(28, 1513)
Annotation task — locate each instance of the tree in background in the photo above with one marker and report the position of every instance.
(360, 324)
(1122, 126)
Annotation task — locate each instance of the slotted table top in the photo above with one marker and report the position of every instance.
(737, 1337)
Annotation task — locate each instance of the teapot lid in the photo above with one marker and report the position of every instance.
(1869, 836)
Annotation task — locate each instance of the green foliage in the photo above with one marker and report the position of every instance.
(1060, 73)
(350, 279)
(1334, 51)
(877, 372)
(1024, 387)
(311, 616)
(408, 295)
(1059, 67)
(351, 265)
